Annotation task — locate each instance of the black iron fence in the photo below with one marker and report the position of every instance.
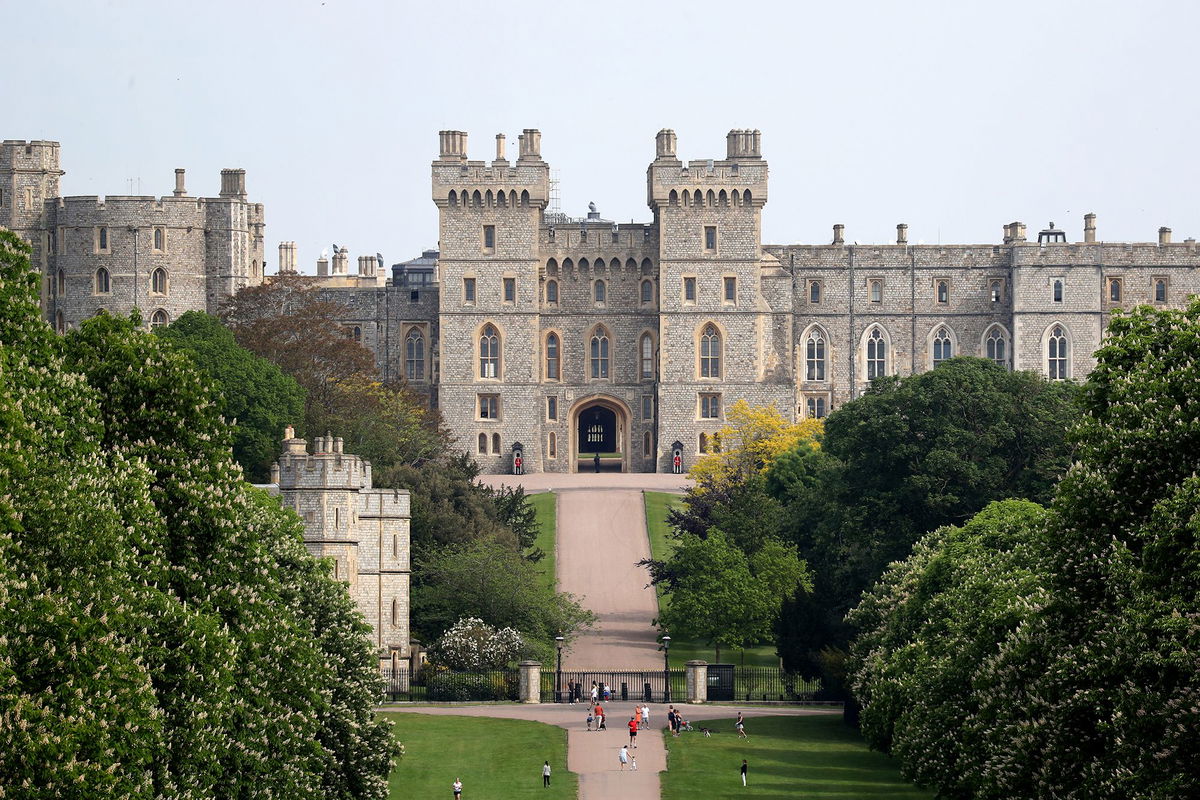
(627, 686)
(442, 686)
(758, 685)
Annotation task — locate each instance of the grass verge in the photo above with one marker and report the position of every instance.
(545, 505)
(810, 757)
(658, 504)
(494, 758)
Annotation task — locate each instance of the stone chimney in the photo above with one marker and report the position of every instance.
(341, 262)
(839, 234)
(1164, 236)
(233, 183)
(1089, 228)
(664, 144)
(743, 144)
(366, 266)
(530, 144)
(1014, 232)
(287, 257)
(452, 145)
(180, 191)
(901, 234)
(322, 266)
(500, 148)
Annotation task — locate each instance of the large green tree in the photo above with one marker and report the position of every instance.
(252, 391)
(909, 456)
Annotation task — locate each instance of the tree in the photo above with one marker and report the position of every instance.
(724, 597)
(472, 644)
(909, 456)
(252, 391)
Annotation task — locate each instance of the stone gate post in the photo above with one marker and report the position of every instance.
(697, 681)
(530, 690)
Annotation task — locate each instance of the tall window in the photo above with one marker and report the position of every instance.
(995, 347)
(510, 290)
(552, 292)
(943, 291)
(159, 239)
(356, 333)
(489, 352)
(710, 406)
(943, 347)
(495, 444)
(710, 237)
(62, 283)
(1114, 290)
(551, 407)
(647, 291)
(1058, 291)
(646, 347)
(730, 290)
(1056, 352)
(489, 237)
(1160, 290)
(689, 290)
(876, 289)
(483, 439)
(599, 352)
(600, 291)
(647, 445)
(995, 291)
(103, 282)
(158, 281)
(647, 406)
(814, 356)
(102, 239)
(552, 371)
(414, 355)
(814, 292)
(159, 319)
(468, 290)
(552, 445)
(876, 355)
(710, 352)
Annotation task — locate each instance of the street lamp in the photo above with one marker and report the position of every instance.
(558, 674)
(666, 640)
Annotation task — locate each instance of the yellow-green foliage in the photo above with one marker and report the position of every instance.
(752, 438)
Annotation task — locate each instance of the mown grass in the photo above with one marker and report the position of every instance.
(545, 505)
(788, 757)
(494, 758)
(658, 504)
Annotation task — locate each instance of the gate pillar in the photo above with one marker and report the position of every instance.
(697, 681)
(530, 687)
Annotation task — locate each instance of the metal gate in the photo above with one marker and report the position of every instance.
(623, 686)
(720, 682)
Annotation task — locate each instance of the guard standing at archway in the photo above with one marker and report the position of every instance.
(596, 461)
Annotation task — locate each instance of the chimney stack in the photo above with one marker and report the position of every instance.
(322, 266)
(1089, 228)
(530, 144)
(452, 145)
(287, 257)
(1164, 236)
(902, 234)
(743, 144)
(366, 266)
(839, 231)
(500, 147)
(341, 262)
(180, 191)
(233, 183)
(664, 144)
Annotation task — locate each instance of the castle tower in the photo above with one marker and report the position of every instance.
(29, 176)
(362, 530)
(489, 217)
(721, 340)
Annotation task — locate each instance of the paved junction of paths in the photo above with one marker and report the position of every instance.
(600, 540)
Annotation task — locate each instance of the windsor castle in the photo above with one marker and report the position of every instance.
(555, 338)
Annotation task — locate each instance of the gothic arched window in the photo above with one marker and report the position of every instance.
(943, 347)
(876, 355)
(599, 353)
(646, 347)
(158, 281)
(489, 352)
(710, 352)
(414, 355)
(601, 292)
(103, 282)
(1056, 354)
(159, 319)
(552, 292)
(996, 347)
(647, 291)
(814, 356)
(552, 357)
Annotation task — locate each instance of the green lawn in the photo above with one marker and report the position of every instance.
(683, 650)
(545, 506)
(494, 758)
(802, 757)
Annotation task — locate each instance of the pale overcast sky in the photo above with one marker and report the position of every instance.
(953, 117)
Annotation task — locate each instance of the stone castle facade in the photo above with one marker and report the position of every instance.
(563, 337)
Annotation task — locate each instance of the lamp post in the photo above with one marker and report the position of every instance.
(666, 640)
(558, 673)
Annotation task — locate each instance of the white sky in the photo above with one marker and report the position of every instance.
(953, 117)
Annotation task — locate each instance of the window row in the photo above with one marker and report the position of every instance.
(875, 358)
(598, 265)
(498, 199)
(102, 282)
(1114, 288)
(720, 199)
(598, 354)
(599, 292)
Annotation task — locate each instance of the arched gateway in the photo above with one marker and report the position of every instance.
(599, 424)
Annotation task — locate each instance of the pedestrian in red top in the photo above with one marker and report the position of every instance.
(633, 726)
(600, 718)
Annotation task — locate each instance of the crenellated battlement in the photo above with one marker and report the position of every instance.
(738, 180)
(36, 155)
(461, 183)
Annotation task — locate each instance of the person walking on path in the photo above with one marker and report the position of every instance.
(457, 789)
(546, 775)
(633, 726)
(600, 726)
(645, 722)
(743, 772)
(595, 693)
(623, 757)
(671, 720)
(741, 726)
(633, 763)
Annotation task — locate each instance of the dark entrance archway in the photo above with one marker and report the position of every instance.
(600, 424)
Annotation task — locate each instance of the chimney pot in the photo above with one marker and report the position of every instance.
(1089, 228)
(180, 191)
(1164, 236)
(901, 234)
(839, 231)
(500, 147)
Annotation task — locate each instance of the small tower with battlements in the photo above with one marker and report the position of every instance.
(363, 531)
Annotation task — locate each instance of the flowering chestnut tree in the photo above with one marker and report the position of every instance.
(471, 643)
